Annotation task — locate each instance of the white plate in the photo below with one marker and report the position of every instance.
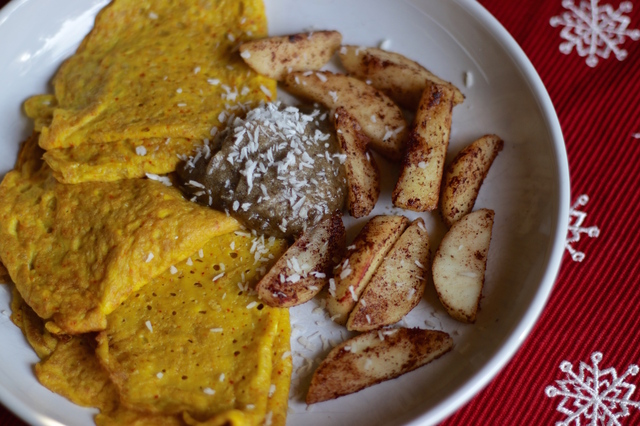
(528, 187)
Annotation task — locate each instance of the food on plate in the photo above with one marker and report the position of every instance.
(141, 303)
(464, 176)
(303, 270)
(373, 357)
(215, 332)
(275, 57)
(460, 262)
(418, 187)
(381, 120)
(40, 109)
(153, 75)
(397, 285)
(363, 176)
(76, 251)
(278, 170)
(361, 261)
(109, 161)
(4, 274)
(41, 340)
(402, 79)
(197, 339)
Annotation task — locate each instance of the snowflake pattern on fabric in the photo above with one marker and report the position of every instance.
(576, 219)
(595, 31)
(598, 396)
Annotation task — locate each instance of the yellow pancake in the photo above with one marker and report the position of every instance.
(40, 109)
(105, 162)
(194, 342)
(76, 251)
(157, 69)
(32, 326)
(4, 275)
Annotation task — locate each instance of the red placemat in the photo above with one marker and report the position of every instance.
(578, 366)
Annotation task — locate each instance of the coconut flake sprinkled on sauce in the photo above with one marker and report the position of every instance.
(209, 391)
(159, 375)
(149, 326)
(162, 179)
(273, 169)
(141, 150)
(173, 270)
(149, 257)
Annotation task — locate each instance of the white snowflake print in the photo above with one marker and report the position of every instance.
(598, 396)
(636, 135)
(576, 218)
(595, 31)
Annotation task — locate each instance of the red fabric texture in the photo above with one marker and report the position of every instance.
(595, 303)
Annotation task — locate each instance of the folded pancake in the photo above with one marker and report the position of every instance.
(4, 275)
(40, 109)
(75, 252)
(32, 326)
(73, 371)
(157, 69)
(106, 162)
(198, 341)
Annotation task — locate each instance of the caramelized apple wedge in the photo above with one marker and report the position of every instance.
(275, 57)
(460, 262)
(360, 263)
(402, 79)
(302, 270)
(464, 176)
(363, 177)
(418, 187)
(381, 119)
(374, 357)
(397, 285)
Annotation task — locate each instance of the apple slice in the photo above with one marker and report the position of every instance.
(381, 119)
(465, 175)
(275, 57)
(418, 187)
(302, 270)
(361, 261)
(402, 79)
(374, 357)
(460, 262)
(363, 177)
(397, 285)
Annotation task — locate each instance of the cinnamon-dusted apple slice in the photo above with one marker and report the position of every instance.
(360, 263)
(363, 176)
(275, 57)
(460, 262)
(418, 187)
(464, 176)
(402, 79)
(302, 270)
(381, 119)
(368, 359)
(397, 285)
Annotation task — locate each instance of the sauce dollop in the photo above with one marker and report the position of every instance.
(278, 170)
